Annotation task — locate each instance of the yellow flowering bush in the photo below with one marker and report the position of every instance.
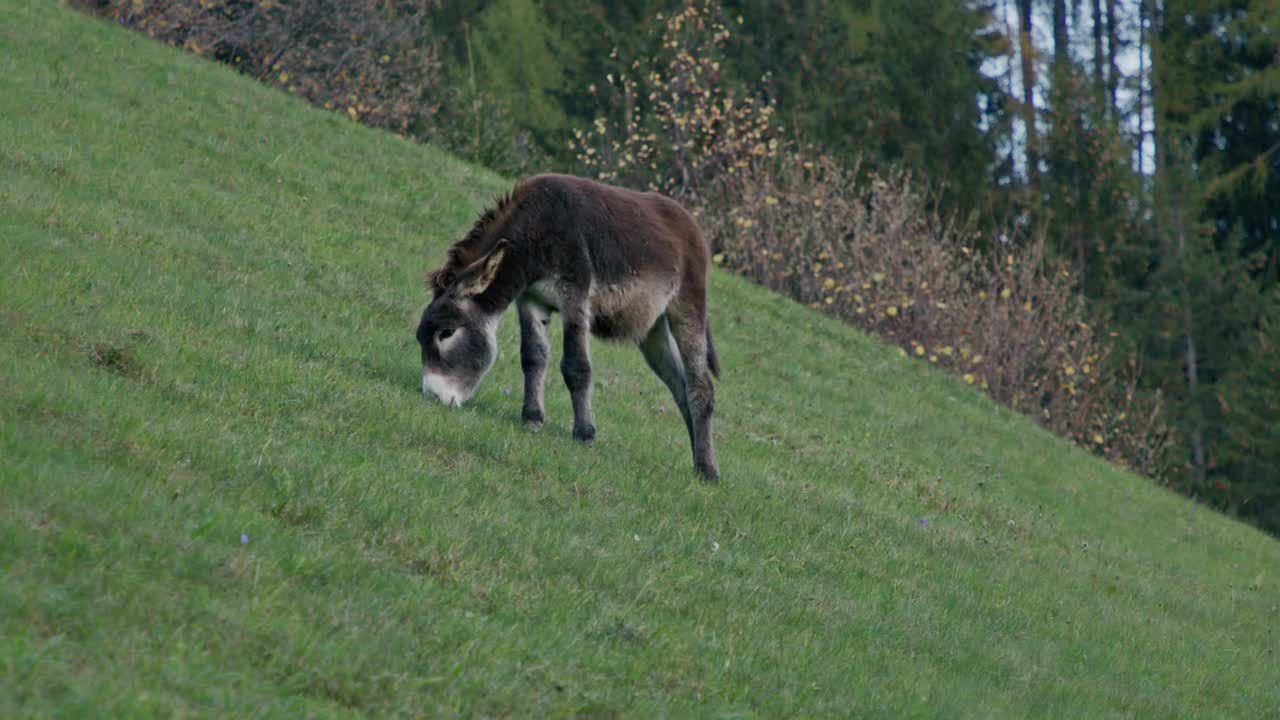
(999, 312)
(670, 124)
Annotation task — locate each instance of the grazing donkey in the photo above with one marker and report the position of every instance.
(619, 264)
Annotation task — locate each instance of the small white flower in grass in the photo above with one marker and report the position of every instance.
(636, 537)
(715, 547)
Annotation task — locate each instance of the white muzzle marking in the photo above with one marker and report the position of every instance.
(443, 389)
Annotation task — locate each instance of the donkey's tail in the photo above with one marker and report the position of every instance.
(713, 362)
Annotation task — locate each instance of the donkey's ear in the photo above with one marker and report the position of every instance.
(480, 275)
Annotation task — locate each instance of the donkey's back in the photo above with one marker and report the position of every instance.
(640, 251)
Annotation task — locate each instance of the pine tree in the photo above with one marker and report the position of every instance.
(929, 57)
(1218, 122)
(520, 57)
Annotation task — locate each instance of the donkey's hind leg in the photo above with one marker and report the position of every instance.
(689, 328)
(660, 352)
(534, 350)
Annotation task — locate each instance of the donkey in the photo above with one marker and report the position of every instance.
(615, 263)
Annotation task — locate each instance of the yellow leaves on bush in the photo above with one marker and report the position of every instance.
(866, 247)
(714, 133)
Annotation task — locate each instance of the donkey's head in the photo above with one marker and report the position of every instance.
(459, 339)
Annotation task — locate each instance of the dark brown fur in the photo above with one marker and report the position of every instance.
(615, 263)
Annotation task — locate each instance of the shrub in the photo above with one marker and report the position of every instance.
(373, 60)
(669, 123)
(1000, 313)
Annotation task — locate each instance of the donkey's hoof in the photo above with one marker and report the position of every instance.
(709, 473)
(532, 419)
(585, 435)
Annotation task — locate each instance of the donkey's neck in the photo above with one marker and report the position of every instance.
(525, 227)
(514, 276)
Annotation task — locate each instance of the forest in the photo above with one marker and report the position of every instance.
(1073, 205)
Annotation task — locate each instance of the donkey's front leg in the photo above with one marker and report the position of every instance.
(575, 365)
(534, 351)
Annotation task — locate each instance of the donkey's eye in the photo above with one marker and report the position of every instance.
(446, 334)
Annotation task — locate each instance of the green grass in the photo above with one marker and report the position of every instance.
(207, 301)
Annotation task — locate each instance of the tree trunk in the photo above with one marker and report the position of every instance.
(1009, 91)
(1099, 74)
(1113, 42)
(1142, 87)
(1061, 40)
(1154, 18)
(1027, 50)
(1191, 360)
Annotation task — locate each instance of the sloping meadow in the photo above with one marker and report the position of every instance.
(221, 491)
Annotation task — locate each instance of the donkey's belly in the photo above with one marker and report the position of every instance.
(617, 312)
(546, 293)
(628, 311)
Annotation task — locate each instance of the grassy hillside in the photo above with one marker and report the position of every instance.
(221, 492)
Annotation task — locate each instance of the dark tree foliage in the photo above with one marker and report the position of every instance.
(1218, 181)
(1219, 81)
